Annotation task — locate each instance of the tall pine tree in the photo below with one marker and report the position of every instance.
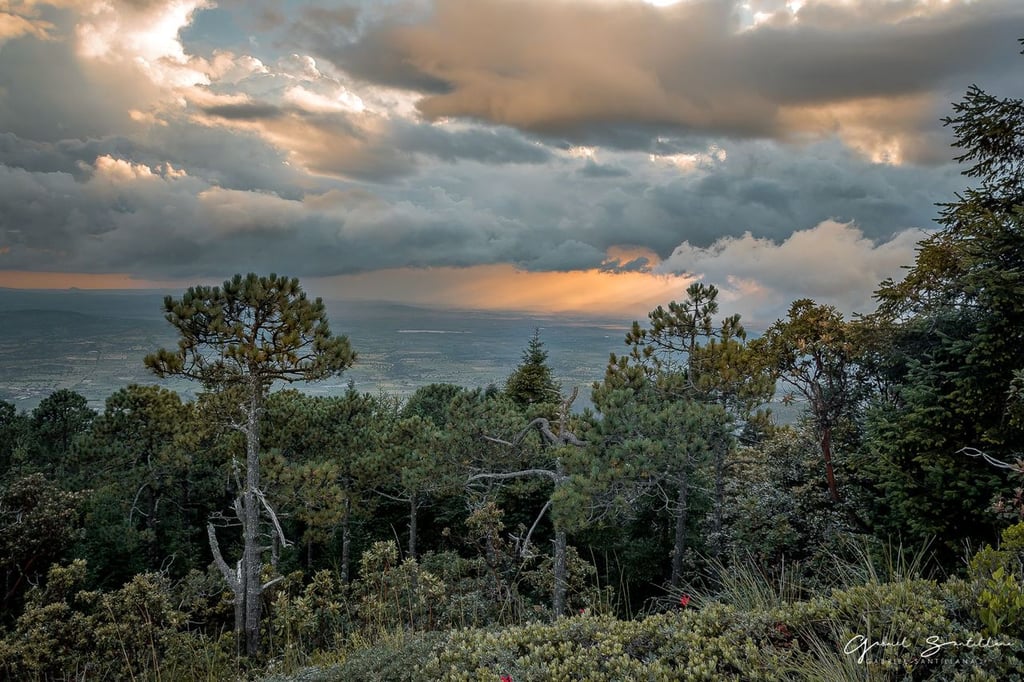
(241, 338)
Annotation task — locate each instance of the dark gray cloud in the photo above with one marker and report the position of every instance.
(241, 160)
(117, 215)
(577, 69)
(641, 264)
(772, 194)
(369, 147)
(597, 170)
(73, 156)
(324, 24)
(700, 133)
(248, 111)
(486, 145)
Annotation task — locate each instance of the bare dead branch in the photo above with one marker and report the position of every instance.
(231, 577)
(135, 503)
(515, 474)
(525, 545)
(989, 459)
(271, 583)
(273, 517)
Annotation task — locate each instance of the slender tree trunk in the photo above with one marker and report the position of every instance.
(346, 545)
(716, 521)
(561, 582)
(413, 513)
(679, 546)
(826, 451)
(251, 562)
(561, 586)
(152, 546)
(239, 619)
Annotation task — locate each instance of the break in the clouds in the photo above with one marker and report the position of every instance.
(779, 149)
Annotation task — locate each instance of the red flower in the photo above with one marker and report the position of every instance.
(684, 600)
(506, 678)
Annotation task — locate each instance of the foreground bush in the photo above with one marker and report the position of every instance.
(907, 630)
(136, 632)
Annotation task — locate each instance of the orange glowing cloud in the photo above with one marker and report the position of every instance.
(483, 287)
(503, 287)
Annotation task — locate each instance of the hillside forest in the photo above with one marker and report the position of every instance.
(671, 531)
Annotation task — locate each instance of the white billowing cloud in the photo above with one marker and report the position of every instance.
(300, 66)
(229, 68)
(581, 152)
(341, 100)
(689, 163)
(121, 174)
(119, 170)
(832, 262)
(146, 35)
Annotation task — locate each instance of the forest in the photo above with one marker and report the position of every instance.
(671, 531)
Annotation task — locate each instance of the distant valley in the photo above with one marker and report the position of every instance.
(94, 342)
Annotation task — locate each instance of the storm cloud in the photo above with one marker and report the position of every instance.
(777, 149)
(567, 68)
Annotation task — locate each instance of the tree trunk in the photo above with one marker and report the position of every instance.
(413, 513)
(679, 546)
(826, 451)
(152, 543)
(561, 582)
(239, 619)
(251, 562)
(346, 545)
(716, 521)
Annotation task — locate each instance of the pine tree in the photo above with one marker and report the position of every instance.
(694, 384)
(240, 339)
(532, 381)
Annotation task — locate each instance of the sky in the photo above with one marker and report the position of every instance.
(560, 156)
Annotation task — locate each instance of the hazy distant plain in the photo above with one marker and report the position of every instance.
(94, 342)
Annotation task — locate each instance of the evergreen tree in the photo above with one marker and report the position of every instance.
(686, 373)
(14, 426)
(958, 345)
(241, 338)
(56, 422)
(148, 487)
(322, 445)
(532, 381)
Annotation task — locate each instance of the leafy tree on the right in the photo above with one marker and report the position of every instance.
(955, 356)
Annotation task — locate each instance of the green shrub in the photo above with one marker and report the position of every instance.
(996, 581)
(134, 632)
